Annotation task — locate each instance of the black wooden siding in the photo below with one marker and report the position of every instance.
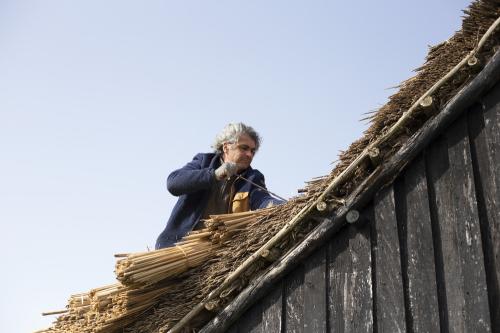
(426, 258)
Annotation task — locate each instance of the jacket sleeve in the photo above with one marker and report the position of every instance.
(190, 178)
(259, 198)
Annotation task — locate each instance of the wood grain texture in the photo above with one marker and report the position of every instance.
(233, 328)
(350, 281)
(461, 279)
(484, 134)
(272, 309)
(294, 300)
(419, 266)
(251, 321)
(390, 305)
(315, 308)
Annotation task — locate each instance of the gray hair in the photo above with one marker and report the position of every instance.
(232, 132)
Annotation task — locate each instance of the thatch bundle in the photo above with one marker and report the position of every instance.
(148, 268)
(144, 277)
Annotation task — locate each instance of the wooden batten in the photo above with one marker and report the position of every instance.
(474, 62)
(374, 155)
(321, 206)
(271, 255)
(212, 306)
(429, 106)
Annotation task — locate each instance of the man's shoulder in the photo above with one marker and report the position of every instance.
(254, 173)
(204, 156)
(204, 159)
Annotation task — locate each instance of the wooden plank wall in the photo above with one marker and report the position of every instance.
(426, 257)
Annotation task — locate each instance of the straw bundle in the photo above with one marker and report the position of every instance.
(148, 268)
(143, 278)
(102, 309)
(151, 267)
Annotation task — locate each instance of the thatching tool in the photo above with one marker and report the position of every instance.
(261, 187)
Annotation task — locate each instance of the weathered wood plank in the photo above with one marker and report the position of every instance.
(462, 281)
(315, 292)
(272, 309)
(251, 321)
(233, 328)
(294, 300)
(484, 134)
(390, 305)
(264, 316)
(350, 280)
(419, 267)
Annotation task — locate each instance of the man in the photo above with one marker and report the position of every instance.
(209, 184)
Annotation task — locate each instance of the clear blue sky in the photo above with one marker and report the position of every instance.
(100, 100)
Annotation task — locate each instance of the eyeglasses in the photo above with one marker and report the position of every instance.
(245, 148)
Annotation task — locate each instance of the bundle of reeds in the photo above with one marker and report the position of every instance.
(151, 267)
(143, 278)
(105, 309)
(147, 268)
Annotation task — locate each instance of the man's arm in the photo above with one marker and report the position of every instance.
(190, 178)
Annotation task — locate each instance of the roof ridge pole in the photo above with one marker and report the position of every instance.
(340, 179)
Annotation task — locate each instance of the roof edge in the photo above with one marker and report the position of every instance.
(342, 177)
(381, 177)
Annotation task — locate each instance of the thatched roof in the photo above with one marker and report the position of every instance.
(170, 299)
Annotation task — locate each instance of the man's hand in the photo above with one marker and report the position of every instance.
(226, 170)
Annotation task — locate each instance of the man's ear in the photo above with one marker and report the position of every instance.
(224, 147)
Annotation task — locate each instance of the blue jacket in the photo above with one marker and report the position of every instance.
(192, 183)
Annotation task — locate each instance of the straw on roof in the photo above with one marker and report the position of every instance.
(179, 293)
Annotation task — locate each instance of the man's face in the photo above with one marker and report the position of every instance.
(240, 152)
